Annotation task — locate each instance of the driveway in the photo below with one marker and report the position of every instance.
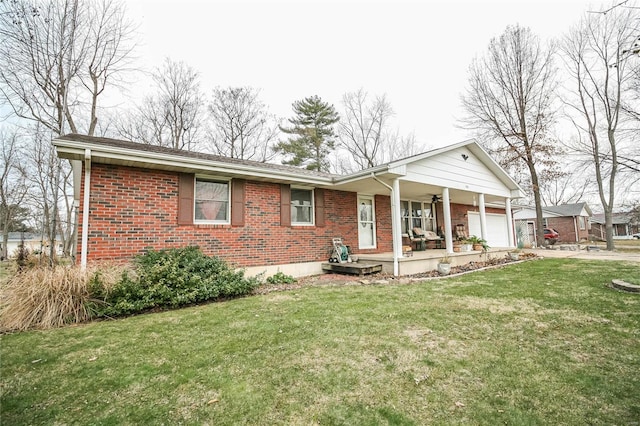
(590, 255)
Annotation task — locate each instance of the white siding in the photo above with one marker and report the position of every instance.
(450, 170)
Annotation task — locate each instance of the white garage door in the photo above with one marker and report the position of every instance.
(497, 232)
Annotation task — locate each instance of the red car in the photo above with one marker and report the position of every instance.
(551, 236)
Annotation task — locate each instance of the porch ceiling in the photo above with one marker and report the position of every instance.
(415, 191)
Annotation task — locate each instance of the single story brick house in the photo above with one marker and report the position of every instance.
(571, 221)
(624, 226)
(265, 217)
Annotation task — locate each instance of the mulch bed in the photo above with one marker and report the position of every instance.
(333, 279)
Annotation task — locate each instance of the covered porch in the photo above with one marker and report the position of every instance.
(423, 261)
(452, 186)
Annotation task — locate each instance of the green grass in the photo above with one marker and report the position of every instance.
(542, 342)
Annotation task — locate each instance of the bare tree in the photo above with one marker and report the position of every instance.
(13, 188)
(569, 187)
(398, 146)
(54, 55)
(241, 126)
(509, 102)
(365, 132)
(172, 116)
(49, 181)
(56, 60)
(600, 70)
(363, 126)
(107, 51)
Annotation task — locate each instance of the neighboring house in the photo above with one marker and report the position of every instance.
(623, 226)
(34, 243)
(571, 221)
(266, 217)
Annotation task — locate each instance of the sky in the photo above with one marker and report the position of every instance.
(417, 53)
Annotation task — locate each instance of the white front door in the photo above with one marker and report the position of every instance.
(366, 222)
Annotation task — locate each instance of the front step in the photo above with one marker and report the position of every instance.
(353, 268)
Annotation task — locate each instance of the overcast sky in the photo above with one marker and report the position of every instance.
(417, 53)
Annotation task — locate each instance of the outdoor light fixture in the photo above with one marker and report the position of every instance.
(465, 157)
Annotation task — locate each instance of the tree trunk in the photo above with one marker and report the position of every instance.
(608, 220)
(5, 240)
(538, 204)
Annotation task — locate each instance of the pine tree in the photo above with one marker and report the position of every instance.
(312, 134)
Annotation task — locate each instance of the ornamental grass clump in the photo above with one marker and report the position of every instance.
(45, 297)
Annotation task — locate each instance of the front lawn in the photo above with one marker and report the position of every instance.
(541, 342)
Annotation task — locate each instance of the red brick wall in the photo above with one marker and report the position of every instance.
(459, 215)
(567, 230)
(133, 210)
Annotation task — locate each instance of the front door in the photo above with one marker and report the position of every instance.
(366, 222)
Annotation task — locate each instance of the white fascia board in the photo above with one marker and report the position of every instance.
(379, 171)
(517, 193)
(207, 166)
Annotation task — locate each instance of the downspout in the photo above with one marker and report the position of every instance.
(85, 208)
(395, 222)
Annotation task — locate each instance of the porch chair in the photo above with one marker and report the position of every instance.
(461, 233)
(428, 237)
(417, 239)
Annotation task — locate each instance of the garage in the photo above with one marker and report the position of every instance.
(497, 231)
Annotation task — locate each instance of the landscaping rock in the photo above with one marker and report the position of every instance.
(625, 286)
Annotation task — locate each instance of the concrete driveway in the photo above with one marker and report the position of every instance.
(585, 254)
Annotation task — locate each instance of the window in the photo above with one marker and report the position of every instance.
(416, 215)
(211, 201)
(420, 215)
(301, 206)
(583, 224)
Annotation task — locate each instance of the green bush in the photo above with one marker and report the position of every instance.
(170, 279)
(280, 278)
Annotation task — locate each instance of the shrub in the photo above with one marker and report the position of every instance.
(170, 279)
(43, 297)
(280, 278)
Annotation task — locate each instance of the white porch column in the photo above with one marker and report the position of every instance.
(507, 206)
(446, 208)
(483, 217)
(396, 226)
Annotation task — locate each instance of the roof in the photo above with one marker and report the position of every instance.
(117, 143)
(562, 210)
(133, 154)
(569, 209)
(28, 236)
(617, 218)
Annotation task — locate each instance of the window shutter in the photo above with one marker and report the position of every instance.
(285, 205)
(237, 202)
(319, 206)
(186, 184)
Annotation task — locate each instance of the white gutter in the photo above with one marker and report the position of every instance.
(85, 208)
(159, 159)
(396, 230)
